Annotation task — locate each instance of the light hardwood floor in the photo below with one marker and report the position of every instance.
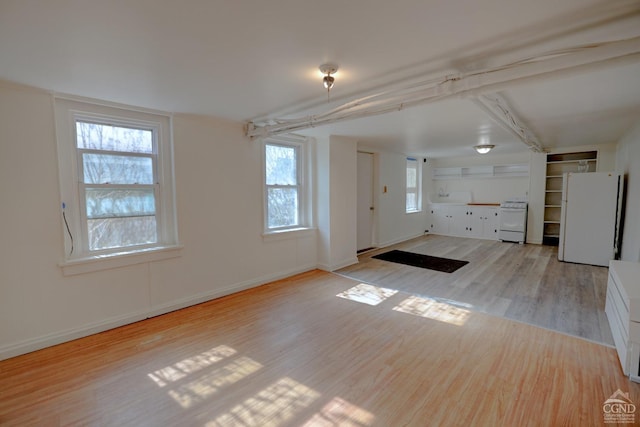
(520, 282)
(294, 353)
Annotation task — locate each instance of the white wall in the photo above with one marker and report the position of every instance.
(392, 223)
(628, 163)
(219, 205)
(337, 202)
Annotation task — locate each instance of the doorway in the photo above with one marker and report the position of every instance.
(365, 202)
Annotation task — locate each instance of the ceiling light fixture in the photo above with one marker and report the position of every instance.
(328, 79)
(483, 148)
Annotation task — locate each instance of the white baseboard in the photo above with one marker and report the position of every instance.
(400, 240)
(218, 293)
(27, 346)
(338, 265)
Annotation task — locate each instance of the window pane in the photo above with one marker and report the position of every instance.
(114, 138)
(109, 169)
(118, 202)
(412, 201)
(108, 233)
(412, 178)
(282, 207)
(281, 165)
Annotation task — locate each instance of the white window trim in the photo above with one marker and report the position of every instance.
(67, 110)
(305, 218)
(418, 185)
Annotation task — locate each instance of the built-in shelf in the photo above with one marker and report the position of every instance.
(479, 172)
(557, 165)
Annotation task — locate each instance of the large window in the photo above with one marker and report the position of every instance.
(116, 180)
(284, 191)
(414, 177)
(118, 184)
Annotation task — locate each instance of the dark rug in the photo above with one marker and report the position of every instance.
(445, 265)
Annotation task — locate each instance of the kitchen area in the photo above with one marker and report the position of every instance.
(469, 197)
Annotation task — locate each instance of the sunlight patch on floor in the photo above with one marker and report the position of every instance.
(206, 385)
(434, 309)
(367, 294)
(179, 370)
(341, 413)
(271, 407)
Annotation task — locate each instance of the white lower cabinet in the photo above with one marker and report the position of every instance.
(439, 220)
(460, 223)
(451, 220)
(484, 222)
(480, 222)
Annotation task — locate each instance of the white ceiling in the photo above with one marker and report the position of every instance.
(242, 59)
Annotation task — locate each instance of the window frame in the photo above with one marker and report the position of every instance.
(409, 162)
(301, 187)
(69, 110)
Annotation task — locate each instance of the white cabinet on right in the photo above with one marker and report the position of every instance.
(622, 308)
(485, 222)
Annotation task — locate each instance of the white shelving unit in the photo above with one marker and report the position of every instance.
(476, 172)
(557, 165)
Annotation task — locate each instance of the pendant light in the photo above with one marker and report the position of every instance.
(328, 79)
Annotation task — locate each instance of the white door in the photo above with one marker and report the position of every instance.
(365, 201)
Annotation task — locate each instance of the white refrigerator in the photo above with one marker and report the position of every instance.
(590, 217)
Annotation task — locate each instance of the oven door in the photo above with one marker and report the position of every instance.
(513, 219)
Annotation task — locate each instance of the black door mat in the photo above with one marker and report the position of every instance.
(445, 265)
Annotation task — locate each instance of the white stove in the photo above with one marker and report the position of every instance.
(513, 221)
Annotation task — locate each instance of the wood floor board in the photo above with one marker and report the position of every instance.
(531, 284)
(294, 353)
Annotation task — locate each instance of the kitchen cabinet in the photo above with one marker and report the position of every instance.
(479, 222)
(557, 166)
(449, 220)
(439, 220)
(484, 222)
(459, 223)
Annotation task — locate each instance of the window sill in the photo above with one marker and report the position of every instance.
(292, 233)
(413, 212)
(122, 259)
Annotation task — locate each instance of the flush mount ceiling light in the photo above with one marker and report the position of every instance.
(328, 79)
(483, 148)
